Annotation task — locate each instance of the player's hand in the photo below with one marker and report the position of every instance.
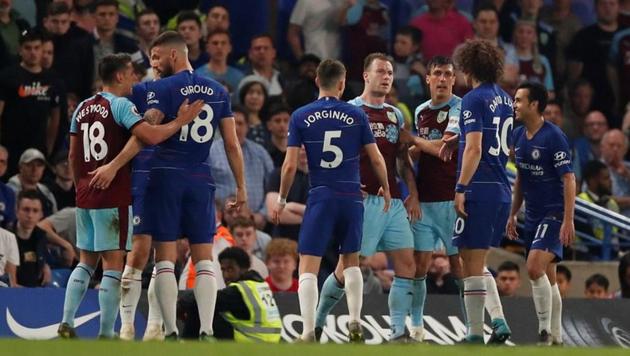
(448, 147)
(46, 275)
(277, 212)
(387, 196)
(69, 255)
(188, 112)
(102, 176)
(460, 201)
(240, 201)
(510, 228)
(567, 233)
(412, 205)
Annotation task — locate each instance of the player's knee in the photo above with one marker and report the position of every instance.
(534, 272)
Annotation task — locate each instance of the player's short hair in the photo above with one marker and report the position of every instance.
(31, 195)
(112, 64)
(237, 255)
(99, 3)
(536, 92)
(169, 38)
(188, 15)
(481, 59)
(592, 169)
(279, 247)
(509, 266)
(330, 72)
(30, 36)
(367, 62)
(562, 269)
(58, 8)
(413, 33)
(597, 279)
(438, 61)
(263, 35)
(242, 222)
(486, 6)
(145, 12)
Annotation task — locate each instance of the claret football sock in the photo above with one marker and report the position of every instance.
(75, 290)
(331, 293)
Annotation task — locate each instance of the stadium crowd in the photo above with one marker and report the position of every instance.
(265, 53)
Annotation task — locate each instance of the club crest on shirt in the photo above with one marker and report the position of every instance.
(442, 116)
(392, 116)
(535, 153)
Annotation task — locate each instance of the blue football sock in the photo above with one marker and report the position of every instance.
(329, 297)
(108, 301)
(419, 296)
(75, 290)
(400, 299)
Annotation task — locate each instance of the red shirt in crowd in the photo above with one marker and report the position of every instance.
(274, 288)
(440, 36)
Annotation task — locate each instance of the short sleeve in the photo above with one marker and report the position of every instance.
(125, 113)
(399, 117)
(453, 118)
(295, 136)
(298, 16)
(471, 115)
(73, 123)
(158, 97)
(273, 182)
(367, 136)
(226, 106)
(13, 254)
(353, 16)
(561, 154)
(54, 95)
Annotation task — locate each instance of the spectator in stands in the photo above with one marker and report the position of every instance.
(33, 270)
(7, 195)
(219, 48)
(61, 230)
(440, 280)
(282, 258)
(278, 128)
(624, 13)
(293, 213)
(244, 232)
(587, 57)
(106, 39)
(409, 69)
(577, 106)
(262, 56)
(563, 279)
(303, 90)
(9, 259)
(253, 95)
(318, 22)
(189, 26)
(565, 25)
(443, 28)
(229, 217)
(596, 287)
(587, 147)
(11, 27)
(218, 19)
(29, 102)
(614, 147)
(508, 279)
(74, 56)
(48, 52)
(486, 26)
(32, 165)
(533, 66)
(553, 113)
(63, 185)
(619, 69)
(376, 277)
(147, 29)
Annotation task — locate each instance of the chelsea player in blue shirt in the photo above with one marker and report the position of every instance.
(333, 133)
(482, 194)
(546, 182)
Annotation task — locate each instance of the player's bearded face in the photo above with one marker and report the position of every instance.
(161, 61)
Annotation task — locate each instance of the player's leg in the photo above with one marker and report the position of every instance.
(205, 289)
(474, 291)
(166, 285)
(131, 283)
(422, 260)
(109, 291)
(154, 319)
(537, 263)
(307, 293)
(556, 306)
(82, 273)
(332, 291)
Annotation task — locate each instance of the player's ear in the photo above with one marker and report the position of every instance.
(365, 76)
(317, 81)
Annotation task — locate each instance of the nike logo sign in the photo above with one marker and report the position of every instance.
(45, 332)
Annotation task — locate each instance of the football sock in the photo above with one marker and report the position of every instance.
(460, 287)
(556, 313)
(166, 291)
(475, 298)
(331, 293)
(399, 301)
(75, 290)
(205, 294)
(493, 302)
(307, 295)
(541, 293)
(418, 300)
(354, 292)
(109, 301)
(155, 314)
(130, 288)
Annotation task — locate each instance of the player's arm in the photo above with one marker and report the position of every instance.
(235, 159)
(289, 167)
(73, 159)
(69, 254)
(567, 230)
(380, 169)
(517, 202)
(412, 202)
(51, 131)
(293, 37)
(11, 270)
(470, 162)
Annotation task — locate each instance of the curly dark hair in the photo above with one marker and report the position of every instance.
(480, 59)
